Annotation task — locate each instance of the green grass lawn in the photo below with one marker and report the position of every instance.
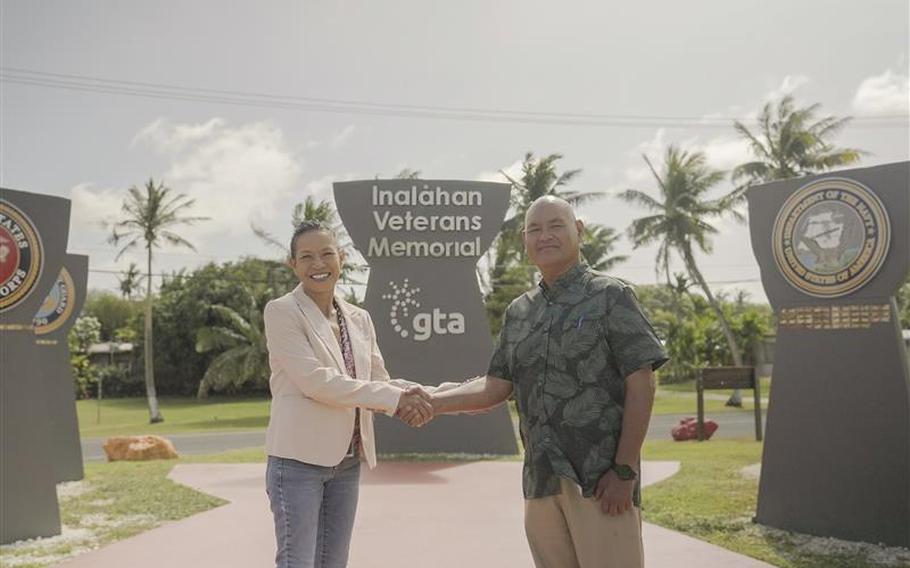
(711, 500)
(764, 384)
(675, 402)
(129, 416)
(679, 398)
(114, 501)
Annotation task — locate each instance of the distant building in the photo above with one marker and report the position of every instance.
(109, 353)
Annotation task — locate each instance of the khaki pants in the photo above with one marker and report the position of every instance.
(570, 531)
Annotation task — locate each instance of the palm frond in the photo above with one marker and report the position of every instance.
(641, 198)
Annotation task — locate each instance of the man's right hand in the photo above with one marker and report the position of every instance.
(414, 407)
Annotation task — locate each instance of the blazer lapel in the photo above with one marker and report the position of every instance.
(361, 348)
(319, 324)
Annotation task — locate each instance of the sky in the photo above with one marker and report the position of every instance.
(250, 107)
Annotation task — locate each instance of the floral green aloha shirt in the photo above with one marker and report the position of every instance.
(568, 349)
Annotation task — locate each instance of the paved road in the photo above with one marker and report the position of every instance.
(191, 443)
(732, 425)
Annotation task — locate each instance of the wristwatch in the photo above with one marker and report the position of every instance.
(624, 472)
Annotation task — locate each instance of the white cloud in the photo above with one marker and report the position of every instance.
(94, 209)
(724, 153)
(637, 173)
(168, 138)
(235, 173)
(342, 137)
(321, 188)
(787, 87)
(884, 94)
(513, 170)
(655, 146)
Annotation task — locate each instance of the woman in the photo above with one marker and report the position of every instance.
(327, 379)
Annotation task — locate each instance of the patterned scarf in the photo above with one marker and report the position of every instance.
(348, 354)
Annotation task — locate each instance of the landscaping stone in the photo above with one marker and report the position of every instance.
(139, 448)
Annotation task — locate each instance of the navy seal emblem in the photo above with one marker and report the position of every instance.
(831, 237)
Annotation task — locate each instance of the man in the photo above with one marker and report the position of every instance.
(578, 355)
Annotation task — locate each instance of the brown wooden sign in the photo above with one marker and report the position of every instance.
(727, 378)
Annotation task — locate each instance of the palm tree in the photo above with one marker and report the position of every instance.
(408, 173)
(791, 142)
(241, 340)
(129, 283)
(539, 177)
(596, 246)
(149, 215)
(679, 222)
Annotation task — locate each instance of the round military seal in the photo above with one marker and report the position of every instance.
(831, 237)
(21, 256)
(58, 306)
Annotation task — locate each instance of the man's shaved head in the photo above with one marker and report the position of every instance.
(551, 200)
(552, 236)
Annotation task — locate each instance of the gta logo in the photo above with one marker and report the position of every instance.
(423, 325)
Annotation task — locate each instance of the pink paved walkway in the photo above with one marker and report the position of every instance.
(438, 515)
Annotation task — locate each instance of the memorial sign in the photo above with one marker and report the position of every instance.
(52, 323)
(33, 236)
(423, 239)
(833, 250)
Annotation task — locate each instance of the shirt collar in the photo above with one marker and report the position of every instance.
(564, 282)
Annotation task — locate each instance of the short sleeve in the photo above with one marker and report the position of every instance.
(631, 336)
(499, 362)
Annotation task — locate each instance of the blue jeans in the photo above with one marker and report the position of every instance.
(314, 508)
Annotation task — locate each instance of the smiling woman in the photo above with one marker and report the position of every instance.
(327, 379)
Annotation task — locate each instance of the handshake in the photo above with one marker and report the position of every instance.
(419, 403)
(415, 407)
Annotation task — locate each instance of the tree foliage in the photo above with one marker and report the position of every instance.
(85, 332)
(692, 333)
(238, 339)
(113, 312)
(184, 306)
(791, 142)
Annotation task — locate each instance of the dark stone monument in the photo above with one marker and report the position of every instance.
(422, 239)
(52, 325)
(833, 250)
(33, 234)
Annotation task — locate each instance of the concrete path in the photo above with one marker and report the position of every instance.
(437, 515)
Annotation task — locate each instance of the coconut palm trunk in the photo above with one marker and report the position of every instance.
(736, 399)
(154, 413)
(149, 216)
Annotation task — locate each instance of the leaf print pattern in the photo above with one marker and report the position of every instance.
(567, 350)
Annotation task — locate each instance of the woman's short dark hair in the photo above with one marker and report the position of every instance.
(309, 226)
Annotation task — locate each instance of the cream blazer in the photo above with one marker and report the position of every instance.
(313, 398)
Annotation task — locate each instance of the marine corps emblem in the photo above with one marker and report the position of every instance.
(21, 256)
(58, 306)
(831, 237)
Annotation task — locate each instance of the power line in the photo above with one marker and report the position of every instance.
(196, 275)
(157, 253)
(87, 83)
(177, 275)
